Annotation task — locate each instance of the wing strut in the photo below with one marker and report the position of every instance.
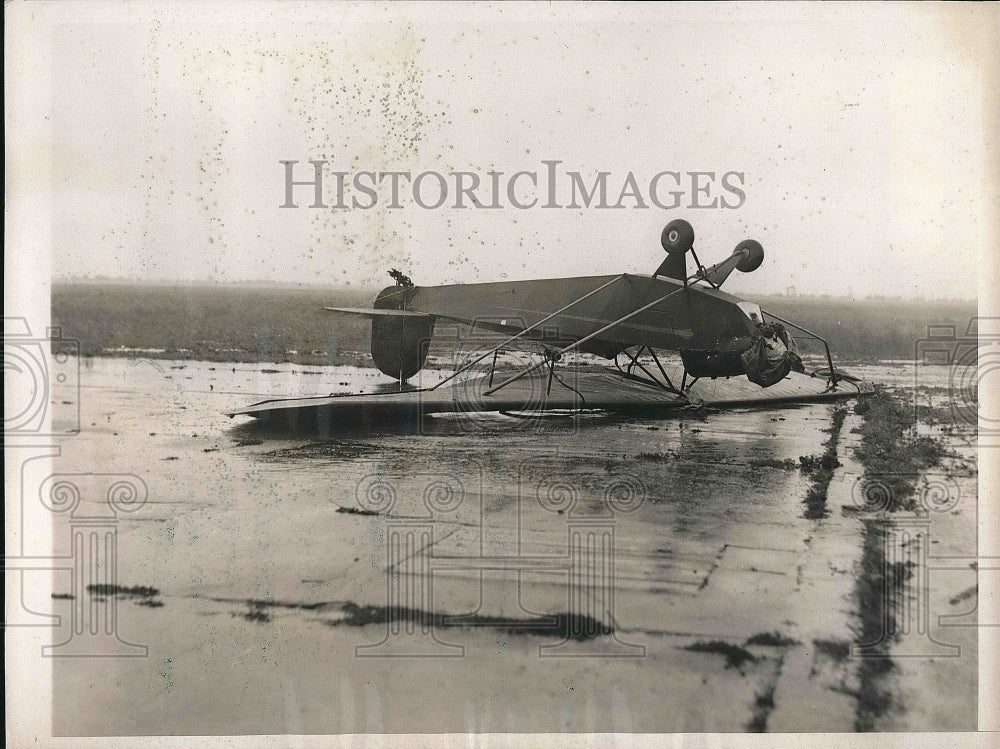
(531, 327)
(586, 338)
(634, 362)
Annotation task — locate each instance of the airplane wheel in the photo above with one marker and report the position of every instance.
(677, 236)
(753, 255)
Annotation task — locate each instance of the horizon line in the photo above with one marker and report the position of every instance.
(360, 286)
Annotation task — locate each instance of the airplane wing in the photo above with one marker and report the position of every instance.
(371, 312)
(605, 390)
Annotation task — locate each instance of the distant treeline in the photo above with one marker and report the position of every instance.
(238, 323)
(863, 330)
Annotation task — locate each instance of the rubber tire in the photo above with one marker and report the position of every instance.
(677, 236)
(754, 257)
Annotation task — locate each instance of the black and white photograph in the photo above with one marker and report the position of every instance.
(501, 374)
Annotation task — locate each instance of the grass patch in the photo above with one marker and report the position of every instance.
(213, 323)
(735, 655)
(771, 639)
(563, 626)
(355, 511)
(890, 450)
(138, 591)
(762, 706)
(893, 455)
(664, 457)
(141, 595)
(835, 650)
(786, 465)
(965, 595)
(821, 468)
(878, 590)
(257, 611)
(825, 462)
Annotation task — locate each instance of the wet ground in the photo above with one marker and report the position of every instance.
(476, 573)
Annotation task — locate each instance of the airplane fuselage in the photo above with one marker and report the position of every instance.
(701, 320)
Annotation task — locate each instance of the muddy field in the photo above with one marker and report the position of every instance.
(697, 572)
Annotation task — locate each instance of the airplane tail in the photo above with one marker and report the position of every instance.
(400, 337)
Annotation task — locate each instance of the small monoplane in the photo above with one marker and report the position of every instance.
(731, 352)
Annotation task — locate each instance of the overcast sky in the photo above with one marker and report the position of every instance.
(857, 133)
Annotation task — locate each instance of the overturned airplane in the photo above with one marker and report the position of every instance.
(731, 351)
